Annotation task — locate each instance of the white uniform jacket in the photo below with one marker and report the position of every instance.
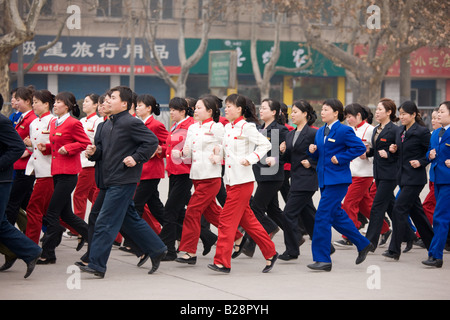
(200, 141)
(363, 167)
(242, 141)
(90, 125)
(40, 164)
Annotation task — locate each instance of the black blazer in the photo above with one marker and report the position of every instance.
(302, 179)
(384, 168)
(258, 168)
(11, 149)
(414, 147)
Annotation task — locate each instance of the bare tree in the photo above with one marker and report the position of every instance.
(210, 11)
(16, 30)
(270, 68)
(404, 26)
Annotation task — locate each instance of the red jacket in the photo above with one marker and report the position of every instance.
(23, 129)
(175, 141)
(154, 168)
(71, 135)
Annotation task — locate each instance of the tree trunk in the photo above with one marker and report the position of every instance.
(4, 82)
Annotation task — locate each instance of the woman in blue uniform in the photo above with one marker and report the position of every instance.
(439, 155)
(334, 147)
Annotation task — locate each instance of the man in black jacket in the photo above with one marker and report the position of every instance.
(124, 146)
(11, 149)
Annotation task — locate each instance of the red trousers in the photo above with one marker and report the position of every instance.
(235, 212)
(359, 199)
(85, 190)
(151, 220)
(429, 203)
(37, 207)
(203, 201)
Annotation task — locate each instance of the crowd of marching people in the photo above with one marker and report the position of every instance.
(226, 171)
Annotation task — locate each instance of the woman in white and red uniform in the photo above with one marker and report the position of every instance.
(243, 145)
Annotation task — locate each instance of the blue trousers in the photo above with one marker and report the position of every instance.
(118, 212)
(330, 214)
(441, 220)
(22, 246)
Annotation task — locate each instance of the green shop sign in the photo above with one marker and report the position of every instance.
(293, 55)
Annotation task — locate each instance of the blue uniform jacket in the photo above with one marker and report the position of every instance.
(439, 172)
(341, 142)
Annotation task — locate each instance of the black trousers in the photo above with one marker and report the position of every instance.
(383, 202)
(147, 194)
(20, 195)
(408, 203)
(179, 194)
(60, 207)
(299, 205)
(265, 200)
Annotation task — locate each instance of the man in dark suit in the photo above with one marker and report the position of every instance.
(11, 148)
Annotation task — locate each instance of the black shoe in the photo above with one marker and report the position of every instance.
(240, 247)
(96, 273)
(156, 262)
(30, 266)
(46, 261)
(219, 269)
(207, 248)
(81, 242)
(8, 264)
(384, 238)
(80, 264)
(286, 257)
(169, 256)
(320, 266)
(391, 255)
(344, 243)
(143, 259)
(190, 260)
(432, 262)
(408, 247)
(363, 253)
(272, 260)
(419, 242)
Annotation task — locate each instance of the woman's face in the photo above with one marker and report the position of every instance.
(328, 115)
(381, 115)
(176, 115)
(142, 111)
(23, 105)
(59, 108)
(406, 119)
(298, 116)
(443, 115)
(39, 107)
(352, 120)
(265, 113)
(201, 113)
(232, 112)
(89, 106)
(434, 120)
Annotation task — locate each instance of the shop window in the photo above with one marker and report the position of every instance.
(109, 8)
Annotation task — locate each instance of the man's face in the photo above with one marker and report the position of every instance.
(116, 104)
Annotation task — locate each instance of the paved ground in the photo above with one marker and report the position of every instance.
(375, 279)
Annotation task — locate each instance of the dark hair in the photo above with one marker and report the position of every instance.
(191, 103)
(149, 101)
(180, 104)
(69, 100)
(445, 103)
(305, 106)
(25, 93)
(355, 108)
(410, 107)
(134, 97)
(389, 105)
(93, 96)
(211, 104)
(275, 105)
(248, 109)
(1, 102)
(125, 93)
(336, 105)
(46, 97)
(101, 99)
